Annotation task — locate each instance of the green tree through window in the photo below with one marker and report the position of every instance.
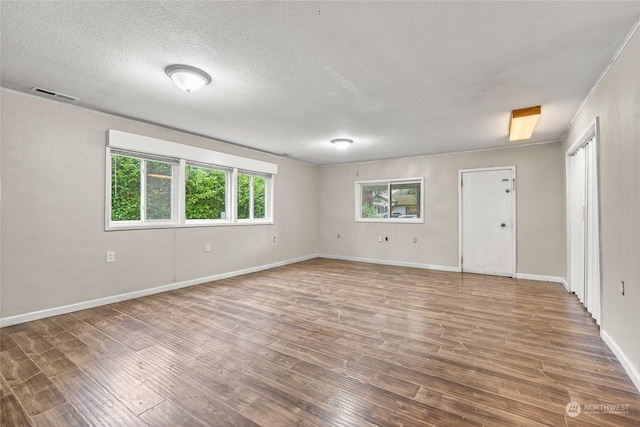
(125, 188)
(246, 183)
(144, 192)
(205, 193)
(159, 183)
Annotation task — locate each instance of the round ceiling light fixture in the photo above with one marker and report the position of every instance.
(188, 78)
(342, 143)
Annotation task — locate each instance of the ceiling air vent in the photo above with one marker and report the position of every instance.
(52, 94)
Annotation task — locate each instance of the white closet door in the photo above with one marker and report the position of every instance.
(592, 246)
(577, 212)
(584, 227)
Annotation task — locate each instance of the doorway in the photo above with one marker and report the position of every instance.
(487, 226)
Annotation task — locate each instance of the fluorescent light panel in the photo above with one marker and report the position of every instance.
(523, 122)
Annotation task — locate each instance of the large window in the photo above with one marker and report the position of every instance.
(397, 200)
(179, 186)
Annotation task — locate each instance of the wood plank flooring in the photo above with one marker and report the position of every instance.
(320, 343)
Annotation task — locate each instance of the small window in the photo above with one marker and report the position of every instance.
(252, 196)
(398, 200)
(206, 193)
(142, 189)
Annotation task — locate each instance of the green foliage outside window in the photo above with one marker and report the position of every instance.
(369, 211)
(259, 198)
(244, 191)
(205, 193)
(159, 183)
(244, 196)
(375, 200)
(125, 188)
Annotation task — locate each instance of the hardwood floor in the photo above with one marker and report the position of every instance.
(321, 342)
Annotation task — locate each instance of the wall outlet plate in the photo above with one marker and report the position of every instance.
(111, 256)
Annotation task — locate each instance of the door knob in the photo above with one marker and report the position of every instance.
(503, 225)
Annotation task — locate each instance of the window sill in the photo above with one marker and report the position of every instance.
(188, 225)
(391, 220)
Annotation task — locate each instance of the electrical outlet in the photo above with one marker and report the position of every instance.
(274, 239)
(111, 256)
(207, 247)
(379, 239)
(622, 287)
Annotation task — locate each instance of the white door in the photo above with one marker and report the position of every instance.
(577, 205)
(584, 233)
(487, 221)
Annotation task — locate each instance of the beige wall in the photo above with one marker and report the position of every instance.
(540, 214)
(53, 239)
(616, 101)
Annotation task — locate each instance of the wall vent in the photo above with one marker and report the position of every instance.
(53, 94)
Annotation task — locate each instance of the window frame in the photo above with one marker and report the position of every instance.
(143, 222)
(388, 183)
(268, 195)
(228, 199)
(145, 148)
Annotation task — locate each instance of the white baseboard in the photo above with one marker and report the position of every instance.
(393, 263)
(540, 278)
(632, 371)
(56, 311)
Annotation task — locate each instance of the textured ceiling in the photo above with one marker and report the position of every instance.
(399, 78)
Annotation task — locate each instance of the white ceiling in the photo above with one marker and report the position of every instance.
(399, 78)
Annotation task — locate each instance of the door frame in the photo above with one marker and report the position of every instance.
(512, 168)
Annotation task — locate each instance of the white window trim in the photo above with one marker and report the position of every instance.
(228, 188)
(187, 154)
(388, 182)
(268, 219)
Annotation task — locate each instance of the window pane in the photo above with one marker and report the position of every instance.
(244, 183)
(205, 193)
(159, 185)
(375, 201)
(259, 198)
(405, 200)
(125, 188)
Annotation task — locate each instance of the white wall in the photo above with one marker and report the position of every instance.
(539, 209)
(616, 101)
(53, 242)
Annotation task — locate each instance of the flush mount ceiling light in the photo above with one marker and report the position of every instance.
(341, 143)
(523, 122)
(187, 78)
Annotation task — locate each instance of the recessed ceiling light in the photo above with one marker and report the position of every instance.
(342, 143)
(523, 122)
(187, 78)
